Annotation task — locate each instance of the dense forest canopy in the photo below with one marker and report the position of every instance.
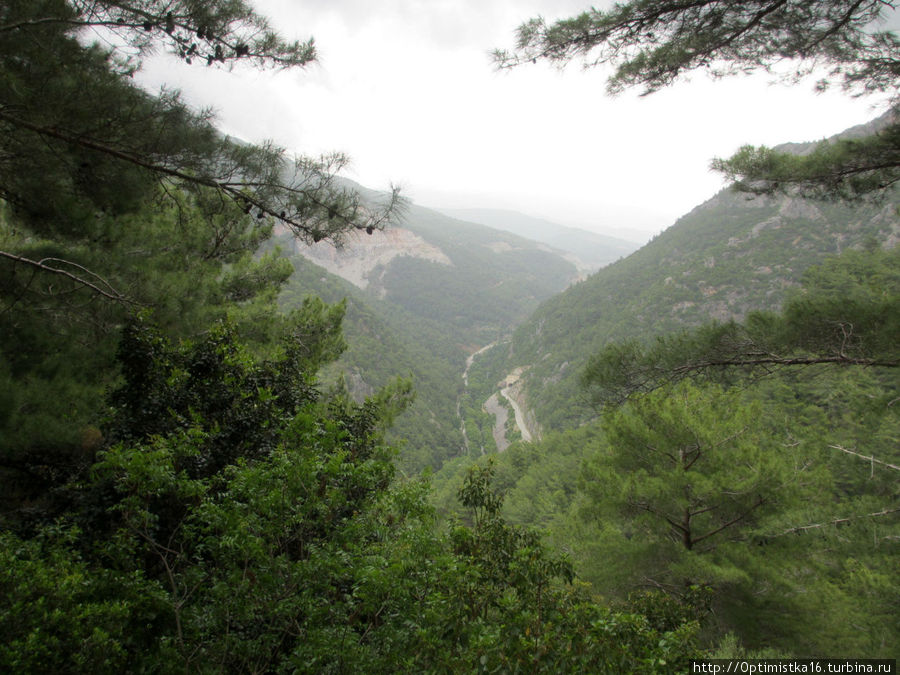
(182, 493)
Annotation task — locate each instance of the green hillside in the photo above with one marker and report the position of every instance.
(224, 378)
(590, 250)
(455, 287)
(728, 256)
(734, 493)
(383, 342)
(495, 280)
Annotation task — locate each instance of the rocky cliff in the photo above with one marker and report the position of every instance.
(363, 258)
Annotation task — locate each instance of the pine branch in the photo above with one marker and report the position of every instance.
(242, 33)
(111, 293)
(836, 521)
(865, 457)
(233, 189)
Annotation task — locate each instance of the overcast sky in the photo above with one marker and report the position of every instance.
(408, 90)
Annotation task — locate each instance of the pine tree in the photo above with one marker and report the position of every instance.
(654, 43)
(114, 201)
(846, 314)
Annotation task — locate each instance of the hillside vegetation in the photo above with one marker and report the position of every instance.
(421, 298)
(731, 255)
(218, 454)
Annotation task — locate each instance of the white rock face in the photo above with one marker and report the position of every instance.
(363, 253)
(799, 208)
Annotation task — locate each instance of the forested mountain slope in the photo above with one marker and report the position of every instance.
(421, 297)
(384, 342)
(475, 280)
(189, 487)
(730, 255)
(589, 250)
(764, 493)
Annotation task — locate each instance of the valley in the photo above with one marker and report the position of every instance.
(448, 286)
(256, 417)
(436, 288)
(514, 351)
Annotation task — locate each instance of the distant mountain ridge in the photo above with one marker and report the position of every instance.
(480, 280)
(421, 297)
(588, 250)
(728, 256)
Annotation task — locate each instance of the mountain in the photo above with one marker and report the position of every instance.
(477, 281)
(624, 495)
(432, 291)
(422, 296)
(728, 256)
(588, 250)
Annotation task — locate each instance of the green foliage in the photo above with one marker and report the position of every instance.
(842, 169)
(224, 512)
(385, 340)
(720, 262)
(79, 137)
(846, 314)
(518, 617)
(220, 467)
(421, 319)
(780, 573)
(798, 448)
(61, 615)
(539, 480)
(653, 43)
(209, 32)
(115, 201)
(238, 522)
(188, 266)
(691, 467)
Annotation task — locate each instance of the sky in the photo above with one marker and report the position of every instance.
(408, 90)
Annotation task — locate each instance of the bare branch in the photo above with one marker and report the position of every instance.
(109, 293)
(836, 521)
(865, 457)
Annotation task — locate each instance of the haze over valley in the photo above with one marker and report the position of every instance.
(459, 337)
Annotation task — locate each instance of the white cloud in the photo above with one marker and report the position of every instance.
(406, 88)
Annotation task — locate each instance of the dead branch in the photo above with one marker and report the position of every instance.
(865, 457)
(836, 521)
(110, 292)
